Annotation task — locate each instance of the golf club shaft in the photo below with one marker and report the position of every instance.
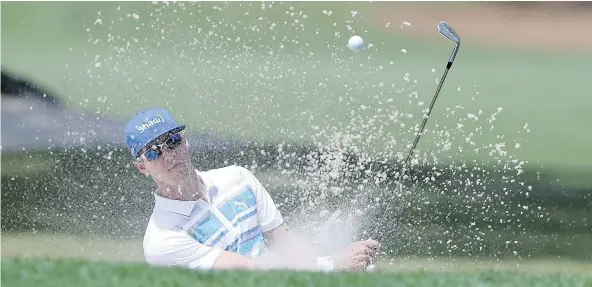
(425, 119)
(449, 33)
(418, 136)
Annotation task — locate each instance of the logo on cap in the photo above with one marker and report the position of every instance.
(158, 119)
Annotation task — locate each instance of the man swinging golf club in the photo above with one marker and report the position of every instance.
(217, 219)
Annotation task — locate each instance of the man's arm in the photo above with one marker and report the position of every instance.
(283, 238)
(300, 251)
(285, 245)
(285, 250)
(230, 260)
(177, 248)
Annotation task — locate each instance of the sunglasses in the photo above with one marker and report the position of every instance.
(155, 151)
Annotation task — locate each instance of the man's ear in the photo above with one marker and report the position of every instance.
(141, 167)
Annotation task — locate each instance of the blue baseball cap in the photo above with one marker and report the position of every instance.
(148, 125)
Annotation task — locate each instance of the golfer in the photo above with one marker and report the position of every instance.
(221, 218)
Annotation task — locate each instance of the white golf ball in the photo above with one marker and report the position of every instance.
(355, 43)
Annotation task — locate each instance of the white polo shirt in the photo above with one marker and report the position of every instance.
(193, 233)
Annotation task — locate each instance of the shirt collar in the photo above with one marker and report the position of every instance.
(175, 206)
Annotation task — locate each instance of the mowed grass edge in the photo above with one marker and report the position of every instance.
(67, 272)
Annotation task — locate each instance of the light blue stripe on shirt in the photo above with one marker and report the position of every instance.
(246, 241)
(207, 227)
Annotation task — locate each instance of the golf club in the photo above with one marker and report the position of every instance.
(449, 33)
(446, 31)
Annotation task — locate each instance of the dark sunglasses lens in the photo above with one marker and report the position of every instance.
(174, 141)
(152, 154)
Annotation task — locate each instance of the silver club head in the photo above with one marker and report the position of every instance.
(449, 33)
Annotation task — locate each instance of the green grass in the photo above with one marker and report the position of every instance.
(281, 82)
(45, 272)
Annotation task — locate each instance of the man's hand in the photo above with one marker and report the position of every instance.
(357, 255)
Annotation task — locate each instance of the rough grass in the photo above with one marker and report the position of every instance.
(51, 272)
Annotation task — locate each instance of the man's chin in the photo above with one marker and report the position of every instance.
(181, 173)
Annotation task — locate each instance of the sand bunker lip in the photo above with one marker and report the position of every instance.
(538, 27)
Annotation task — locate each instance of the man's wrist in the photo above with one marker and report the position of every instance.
(325, 263)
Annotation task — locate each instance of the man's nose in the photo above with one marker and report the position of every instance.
(167, 154)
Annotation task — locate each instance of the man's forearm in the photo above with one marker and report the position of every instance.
(273, 260)
(287, 248)
(230, 260)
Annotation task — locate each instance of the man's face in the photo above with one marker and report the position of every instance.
(173, 166)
